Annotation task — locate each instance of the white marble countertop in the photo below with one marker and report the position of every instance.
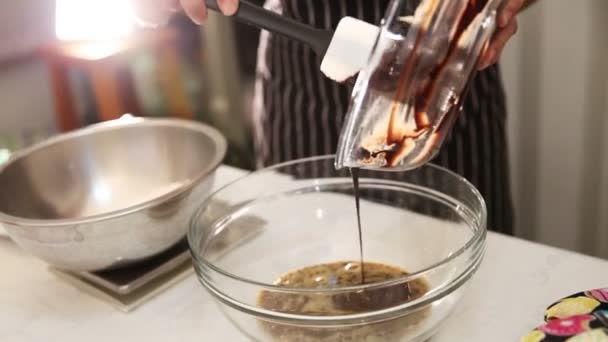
(506, 299)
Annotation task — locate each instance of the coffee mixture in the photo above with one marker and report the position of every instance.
(340, 274)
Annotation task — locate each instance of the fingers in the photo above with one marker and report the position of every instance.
(152, 12)
(195, 9)
(174, 5)
(228, 7)
(507, 26)
(157, 12)
(508, 11)
(497, 44)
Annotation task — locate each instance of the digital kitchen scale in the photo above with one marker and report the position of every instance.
(129, 287)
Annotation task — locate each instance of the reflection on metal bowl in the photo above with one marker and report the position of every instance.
(110, 194)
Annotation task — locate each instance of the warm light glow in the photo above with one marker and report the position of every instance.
(95, 50)
(93, 19)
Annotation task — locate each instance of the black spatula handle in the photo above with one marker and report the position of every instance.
(262, 18)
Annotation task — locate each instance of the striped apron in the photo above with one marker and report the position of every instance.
(298, 112)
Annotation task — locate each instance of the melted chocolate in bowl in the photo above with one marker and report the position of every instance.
(340, 274)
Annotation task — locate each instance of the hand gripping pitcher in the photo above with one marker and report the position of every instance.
(408, 96)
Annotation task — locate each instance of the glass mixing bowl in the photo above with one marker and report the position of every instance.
(430, 223)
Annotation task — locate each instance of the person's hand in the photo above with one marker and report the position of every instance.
(506, 28)
(157, 12)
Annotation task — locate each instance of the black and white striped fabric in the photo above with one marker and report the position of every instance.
(298, 112)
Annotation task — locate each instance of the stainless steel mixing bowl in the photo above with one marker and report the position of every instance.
(110, 194)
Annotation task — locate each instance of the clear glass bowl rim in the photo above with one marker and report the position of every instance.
(473, 244)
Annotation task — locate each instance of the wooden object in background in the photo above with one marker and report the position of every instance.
(106, 64)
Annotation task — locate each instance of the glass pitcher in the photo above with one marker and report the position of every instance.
(407, 98)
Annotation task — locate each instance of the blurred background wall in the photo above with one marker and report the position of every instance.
(556, 77)
(555, 73)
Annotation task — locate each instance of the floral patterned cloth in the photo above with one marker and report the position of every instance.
(581, 317)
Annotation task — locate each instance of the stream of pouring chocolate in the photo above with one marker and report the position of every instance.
(398, 142)
(354, 172)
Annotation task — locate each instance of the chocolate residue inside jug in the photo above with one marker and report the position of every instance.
(429, 124)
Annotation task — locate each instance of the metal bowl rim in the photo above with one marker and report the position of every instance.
(219, 153)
